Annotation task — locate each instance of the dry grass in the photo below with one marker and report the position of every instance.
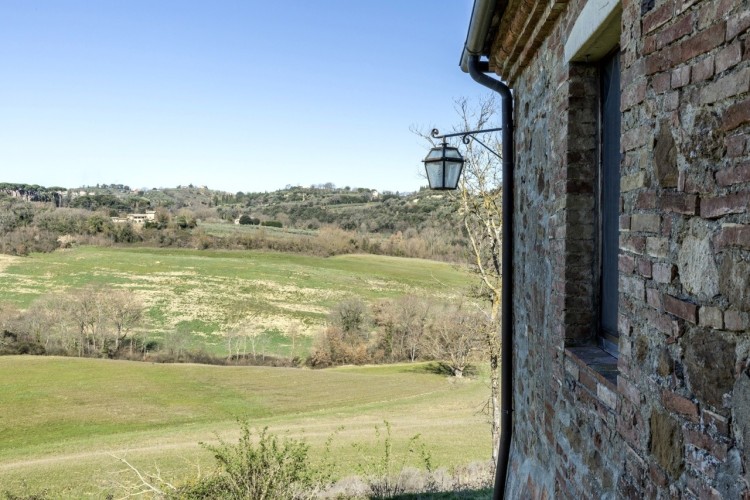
(64, 420)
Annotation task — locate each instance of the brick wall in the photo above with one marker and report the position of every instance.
(674, 419)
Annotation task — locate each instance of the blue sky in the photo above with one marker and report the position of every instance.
(235, 95)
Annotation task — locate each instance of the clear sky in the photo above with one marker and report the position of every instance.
(236, 95)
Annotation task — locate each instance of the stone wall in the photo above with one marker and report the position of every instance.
(671, 416)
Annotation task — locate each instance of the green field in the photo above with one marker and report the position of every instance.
(202, 295)
(63, 421)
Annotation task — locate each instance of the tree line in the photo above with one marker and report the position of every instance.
(408, 328)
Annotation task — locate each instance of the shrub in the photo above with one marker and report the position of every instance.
(262, 468)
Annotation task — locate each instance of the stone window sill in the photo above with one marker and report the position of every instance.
(596, 370)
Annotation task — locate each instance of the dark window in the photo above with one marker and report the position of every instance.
(609, 198)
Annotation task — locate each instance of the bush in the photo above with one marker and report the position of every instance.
(261, 468)
(271, 223)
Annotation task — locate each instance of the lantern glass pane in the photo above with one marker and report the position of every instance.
(452, 153)
(434, 154)
(452, 174)
(434, 174)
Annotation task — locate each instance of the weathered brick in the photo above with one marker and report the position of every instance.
(626, 264)
(680, 308)
(678, 404)
(606, 395)
(629, 390)
(732, 235)
(711, 317)
(718, 422)
(645, 222)
(657, 246)
(664, 273)
(661, 82)
(653, 298)
(719, 206)
(733, 175)
(633, 94)
(632, 182)
(680, 77)
(646, 200)
(736, 25)
(633, 286)
(728, 57)
(624, 223)
(635, 137)
(702, 70)
(700, 43)
(644, 268)
(735, 145)
(658, 61)
(730, 85)
(683, 26)
(658, 17)
(737, 114)
(634, 244)
(736, 321)
(679, 203)
(706, 442)
(663, 323)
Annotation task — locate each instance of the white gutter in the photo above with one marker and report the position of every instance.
(479, 25)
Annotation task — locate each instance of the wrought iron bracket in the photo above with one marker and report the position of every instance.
(467, 137)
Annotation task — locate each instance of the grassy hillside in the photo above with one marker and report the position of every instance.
(201, 295)
(64, 420)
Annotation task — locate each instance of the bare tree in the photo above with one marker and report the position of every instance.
(126, 313)
(453, 336)
(480, 200)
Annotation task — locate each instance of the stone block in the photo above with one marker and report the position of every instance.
(709, 363)
(664, 273)
(667, 444)
(633, 286)
(626, 263)
(645, 223)
(734, 282)
(741, 414)
(680, 77)
(699, 273)
(633, 244)
(653, 298)
(646, 200)
(736, 321)
(657, 246)
(645, 268)
(606, 395)
(711, 317)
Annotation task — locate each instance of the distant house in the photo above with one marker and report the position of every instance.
(140, 219)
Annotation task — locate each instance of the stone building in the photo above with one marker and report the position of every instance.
(631, 256)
